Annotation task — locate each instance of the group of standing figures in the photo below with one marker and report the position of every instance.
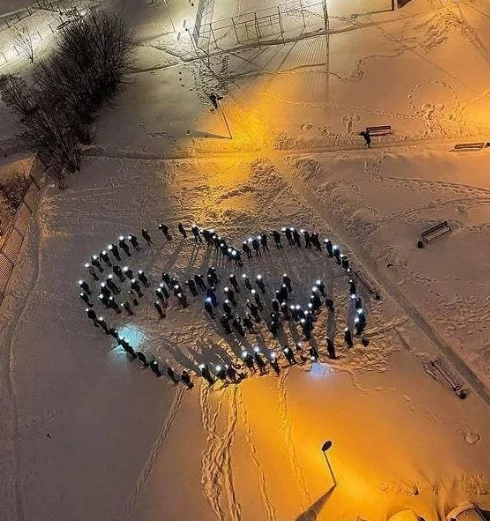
(122, 288)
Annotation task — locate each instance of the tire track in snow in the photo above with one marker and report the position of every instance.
(160, 441)
(290, 447)
(271, 511)
(216, 467)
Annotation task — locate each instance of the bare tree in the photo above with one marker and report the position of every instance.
(17, 95)
(24, 41)
(82, 74)
(13, 190)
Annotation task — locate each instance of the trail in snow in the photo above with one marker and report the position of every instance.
(216, 468)
(157, 447)
(264, 494)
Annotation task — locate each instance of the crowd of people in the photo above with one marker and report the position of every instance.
(120, 288)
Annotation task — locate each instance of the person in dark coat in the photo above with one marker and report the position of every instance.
(232, 374)
(128, 272)
(209, 307)
(236, 256)
(254, 310)
(196, 233)
(336, 254)
(367, 137)
(200, 281)
(256, 246)
(112, 285)
(119, 272)
(127, 306)
(143, 278)
(234, 282)
(225, 323)
(260, 283)
(227, 308)
(135, 286)
(214, 276)
(237, 324)
(159, 293)
(171, 374)
(248, 323)
(105, 290)
(145, 233)
(246, 282)
(273, 328)
(134, 241)
(316, 241)
(164, 229)
(103, 325)
(206, 374)
(348, 337)
(246, 249)
(288, 353)
(164, 290)
(114, 305)
(182, 300)
(124, 246)
(257, 300)
(249, 361)
(259, 361)
(287, 281)
(115, 251)
(85, 287)
(352, 287)
(329, 247)
(230, 295)
(141, 356)
(296, 238)
(306, 235)
(314, 355)
(92, 316)
(104, 256)
(92, 271)
(286, 313)
(96, 262)
(154, 367)
(186, 380)
(330, 305)
(321, 287)
(263, 242)
(190, 283)
(331, 349)
(275, 305)
(182, 230)
(210, 293)
(85, 298)
(277, 239)
(158, 306)
(274, 363)
(288, 232)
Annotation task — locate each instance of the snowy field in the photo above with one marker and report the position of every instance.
(89, 435)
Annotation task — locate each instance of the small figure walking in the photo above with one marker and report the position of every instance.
(367, 137)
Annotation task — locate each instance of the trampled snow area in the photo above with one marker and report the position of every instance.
(89, 435)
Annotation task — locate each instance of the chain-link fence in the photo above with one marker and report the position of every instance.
(12, 243)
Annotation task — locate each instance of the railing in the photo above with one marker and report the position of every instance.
(12, 243)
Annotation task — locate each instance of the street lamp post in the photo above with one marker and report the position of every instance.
(325, 448)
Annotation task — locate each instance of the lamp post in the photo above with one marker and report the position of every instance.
(325, 448)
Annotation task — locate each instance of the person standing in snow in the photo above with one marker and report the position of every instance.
(367, 137)
(145, 233)
(182, 230)
(164, 229)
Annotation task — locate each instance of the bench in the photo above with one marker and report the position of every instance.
(435, 231)
(381, 130)
(366, 283)
(470, 146)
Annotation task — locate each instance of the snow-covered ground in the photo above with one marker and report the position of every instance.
(88, 435)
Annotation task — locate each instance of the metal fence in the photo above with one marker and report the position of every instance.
(10, 249)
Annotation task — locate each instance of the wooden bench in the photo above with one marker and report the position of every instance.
(470, 146)
(435, 231)
(381, 130)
